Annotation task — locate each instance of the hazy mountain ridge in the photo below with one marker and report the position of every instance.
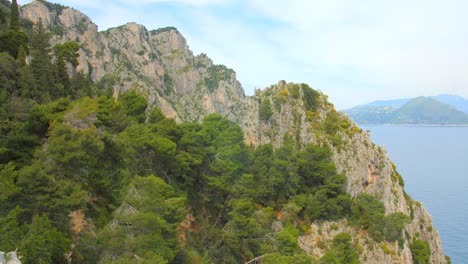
(417, 111)
(186, 87)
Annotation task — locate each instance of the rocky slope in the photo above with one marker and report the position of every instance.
(186, 87)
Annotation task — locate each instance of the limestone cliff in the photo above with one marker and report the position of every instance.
(186, 87)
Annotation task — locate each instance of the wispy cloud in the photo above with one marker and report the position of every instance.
(356, 51)
(189, 2)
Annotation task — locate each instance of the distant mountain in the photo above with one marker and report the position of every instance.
(454, 100)
(417, 111)
(397, 103)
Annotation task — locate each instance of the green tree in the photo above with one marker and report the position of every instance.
(74, 152)
(14, 16)
(144, 227)
(394, 225)
(287, 240)
(155, 115)
(44, 244)
(82, 86)
(370, 213)
(11, 230)
(420, 251)
(41, 193)
(147, 152)
(66, 52)
(134, 105)
(11, 41)
(342, 251)
(111, 115)
(8, 75)
(3, 20)
(277, 258)
(8, 187)
(21, 58)
(265, 109)
(41, 63)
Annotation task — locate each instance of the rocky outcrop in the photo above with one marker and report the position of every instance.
(160, 65)
(320, 236)
(9, 258)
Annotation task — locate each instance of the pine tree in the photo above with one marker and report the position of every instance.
(41, 64)
(21, 59)
(3, 20)
(65, 53)
(14, 16)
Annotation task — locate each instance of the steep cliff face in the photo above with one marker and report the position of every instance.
(186, 87)
(159, 63)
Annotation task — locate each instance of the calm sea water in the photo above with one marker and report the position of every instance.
(434, 164)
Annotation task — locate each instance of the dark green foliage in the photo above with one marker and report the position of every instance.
(169, 84)
(3, 19)
(287, 240)
(11, 230)
(307, 178)
(8, 75)
(21, 58)
(394, 225)
(62, 153)
(342, 251)
(420, 252)
(265, 109)
(144, 227)
(14, 16)
(65, 53)
(11, 41)
(369, 213)
(53, 7)
(332, 124)
(16, 144)
(277, 258)
(82, 86)
(161, 30)
(155, 115)
(134, 105)
(295, 91)
(311, 97)
(43, 243)
(111, 115)
(107, 82)
(40, 116)
(217, 73)
(41, 65)
(147, 153)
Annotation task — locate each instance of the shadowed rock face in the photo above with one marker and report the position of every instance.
(186, 87)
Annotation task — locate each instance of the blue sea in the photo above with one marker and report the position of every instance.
(434, 164)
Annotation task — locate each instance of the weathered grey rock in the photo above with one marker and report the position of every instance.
(9, 258)
(185, 87)
(12, 258)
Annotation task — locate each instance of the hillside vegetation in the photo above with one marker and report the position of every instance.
(93, 174)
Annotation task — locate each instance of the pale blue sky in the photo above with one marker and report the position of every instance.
(354, 51)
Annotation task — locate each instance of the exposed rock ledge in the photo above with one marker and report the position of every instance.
(9, 258)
